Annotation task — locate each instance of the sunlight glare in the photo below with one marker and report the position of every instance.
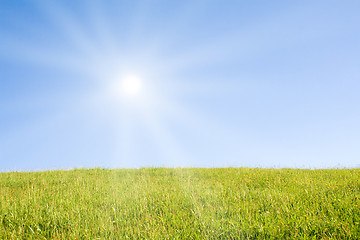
(131, 86)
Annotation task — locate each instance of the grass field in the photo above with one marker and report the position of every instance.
(161, 203)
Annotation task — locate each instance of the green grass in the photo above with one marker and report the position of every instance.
(161, 203)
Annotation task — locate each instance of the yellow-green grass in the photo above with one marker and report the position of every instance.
(192, 203)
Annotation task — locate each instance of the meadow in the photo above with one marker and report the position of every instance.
(181, 203)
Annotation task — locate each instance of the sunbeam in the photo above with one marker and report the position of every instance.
(171, 151)
(71, 29)
(29, 53)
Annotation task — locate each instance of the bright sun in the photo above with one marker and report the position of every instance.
(131, 86)
(131, 91)
(127, 88)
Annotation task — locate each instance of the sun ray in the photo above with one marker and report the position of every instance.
(55, 12)
(243, 44)
(207, 132)
(172, 153)
(16, 50)
(162, 38)
(104, 31)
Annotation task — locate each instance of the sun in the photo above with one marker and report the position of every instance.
(127, 88)
(132, 92)
(131, 86)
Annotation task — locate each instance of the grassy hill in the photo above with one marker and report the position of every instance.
(160, 203)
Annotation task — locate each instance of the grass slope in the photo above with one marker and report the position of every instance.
(160, 203)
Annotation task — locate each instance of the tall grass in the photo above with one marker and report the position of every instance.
(161, 203)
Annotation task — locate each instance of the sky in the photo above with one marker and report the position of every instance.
(130, 84)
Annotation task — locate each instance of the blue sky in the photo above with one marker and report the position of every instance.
(218, 84)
